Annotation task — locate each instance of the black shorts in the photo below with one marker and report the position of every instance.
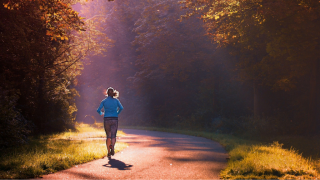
(111, 126)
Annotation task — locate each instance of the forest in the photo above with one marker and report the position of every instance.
(228, 66)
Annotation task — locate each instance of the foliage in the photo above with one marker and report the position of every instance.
(275, 44)
(14, 129)
(267, 41)
(54, 15)
(170, 62)
(179, 69)
(44, 44)
(112, 68)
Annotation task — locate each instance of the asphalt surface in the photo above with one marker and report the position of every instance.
(154, 155)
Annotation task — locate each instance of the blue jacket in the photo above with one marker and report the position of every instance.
(112, 107)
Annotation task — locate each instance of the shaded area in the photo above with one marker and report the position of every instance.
(178, 143)
(82, 175)
(114, 163)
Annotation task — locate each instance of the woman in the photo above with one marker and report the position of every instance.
(112, 108)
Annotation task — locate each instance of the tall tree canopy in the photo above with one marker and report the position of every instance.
(276, 42)
(168, 63)
(42, 45)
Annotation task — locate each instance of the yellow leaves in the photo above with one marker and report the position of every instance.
(200, 8)
(207, 16)
(215, 17)
(55, 36)
(11, 6)
(6, 5)
(57, 17)
(63, 38)
(49, 33)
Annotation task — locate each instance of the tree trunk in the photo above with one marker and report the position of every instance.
(256, 103)
(215, 89)
(314, 97)
(317, 108)
(40, 101)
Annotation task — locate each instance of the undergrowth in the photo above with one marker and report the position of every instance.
(253, 159)
(51, 153)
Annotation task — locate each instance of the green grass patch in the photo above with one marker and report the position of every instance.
(267, 162)
(51, 153)
(253, 159)
(85, 131)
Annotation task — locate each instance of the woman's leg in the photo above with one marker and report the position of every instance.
(113, 141)
(108, 142)
(114, 129)
(107, 128)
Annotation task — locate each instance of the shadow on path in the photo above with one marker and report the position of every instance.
(113, 163)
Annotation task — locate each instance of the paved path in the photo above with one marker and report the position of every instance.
(154, 155)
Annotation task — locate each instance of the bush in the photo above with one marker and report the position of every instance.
(263, 126)
(14, 128)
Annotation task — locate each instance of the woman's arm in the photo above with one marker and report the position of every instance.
(100, 107)
(120, 107)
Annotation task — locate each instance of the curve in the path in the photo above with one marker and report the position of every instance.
(155, 155)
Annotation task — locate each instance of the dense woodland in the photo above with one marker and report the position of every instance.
(229, 66)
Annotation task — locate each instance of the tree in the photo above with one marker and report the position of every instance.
(41, 56)
(275, 41)
(176, 61)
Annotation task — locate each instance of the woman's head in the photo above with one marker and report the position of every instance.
(112, 93)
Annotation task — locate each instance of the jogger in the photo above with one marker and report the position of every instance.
(112, 108)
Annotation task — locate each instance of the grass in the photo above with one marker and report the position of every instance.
(267, 162)
(51, 153)
(85, 131)
(250, 159)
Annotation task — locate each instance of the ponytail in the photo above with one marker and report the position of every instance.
(113, 93)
